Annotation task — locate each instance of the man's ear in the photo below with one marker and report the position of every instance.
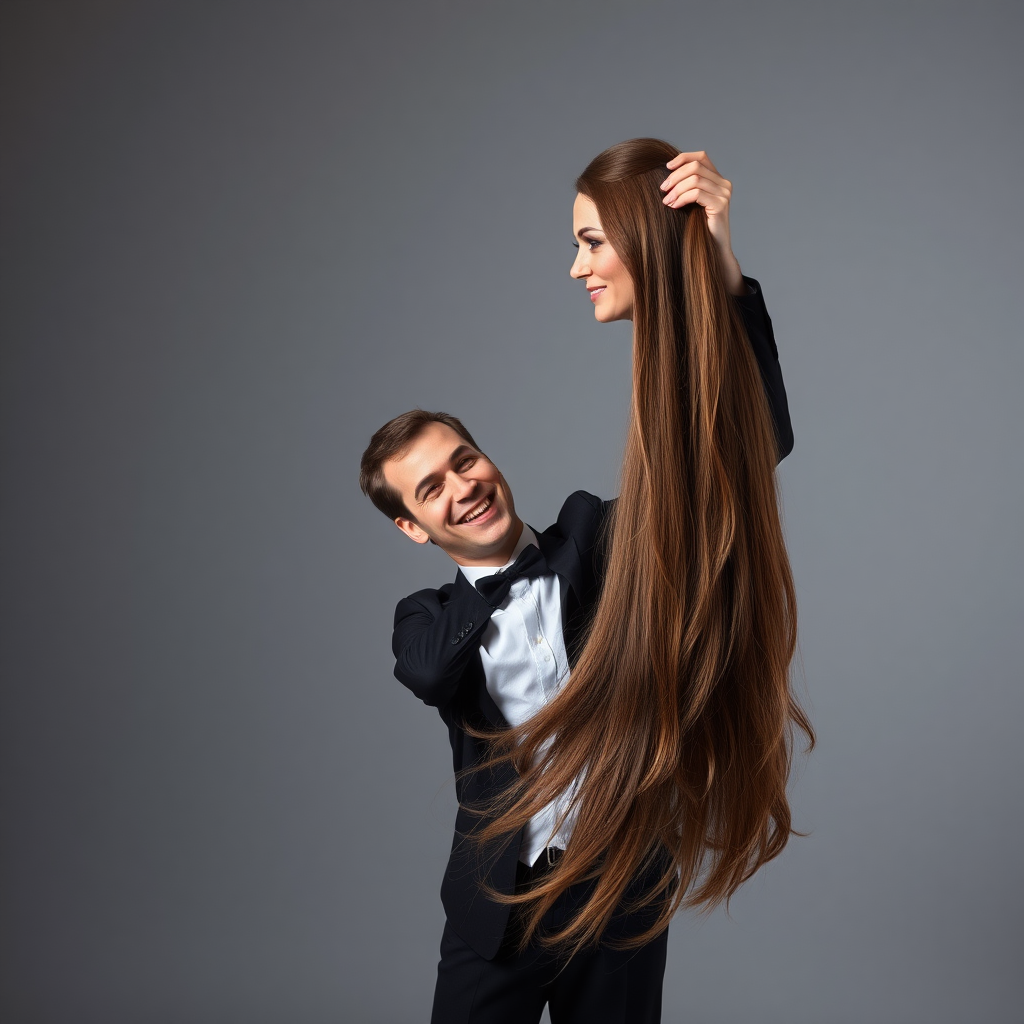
(411, 529)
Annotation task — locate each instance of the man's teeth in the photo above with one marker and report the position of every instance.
(479, 512)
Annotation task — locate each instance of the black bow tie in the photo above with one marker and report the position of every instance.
(494, 589)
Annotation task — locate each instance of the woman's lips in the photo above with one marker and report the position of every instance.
(595, 292)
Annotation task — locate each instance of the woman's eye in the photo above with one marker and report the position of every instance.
(575, 245)
(593, 243)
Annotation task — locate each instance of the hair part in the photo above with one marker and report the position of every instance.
(391, 442)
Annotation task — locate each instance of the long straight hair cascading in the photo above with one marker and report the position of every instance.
(674, 733)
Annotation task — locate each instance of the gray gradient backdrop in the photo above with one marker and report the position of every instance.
(239, 236)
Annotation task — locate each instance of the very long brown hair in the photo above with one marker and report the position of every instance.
(674, 732)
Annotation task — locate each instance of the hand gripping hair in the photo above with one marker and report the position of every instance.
(674, 733)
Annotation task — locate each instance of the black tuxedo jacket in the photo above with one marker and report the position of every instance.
(436, 644)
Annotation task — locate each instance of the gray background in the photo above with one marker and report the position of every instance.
(237, 237)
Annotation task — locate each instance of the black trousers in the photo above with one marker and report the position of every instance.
(599, 986)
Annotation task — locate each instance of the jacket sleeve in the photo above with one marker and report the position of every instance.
(762, 341)
(436, 635)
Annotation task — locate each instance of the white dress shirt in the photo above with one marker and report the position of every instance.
(523, 654)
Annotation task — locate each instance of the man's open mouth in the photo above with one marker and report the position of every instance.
(477, 512)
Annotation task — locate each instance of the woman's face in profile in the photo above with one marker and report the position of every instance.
(598, 265)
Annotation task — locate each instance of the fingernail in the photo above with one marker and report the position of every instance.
(663, 185)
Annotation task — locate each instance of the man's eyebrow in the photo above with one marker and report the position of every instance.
(463, 449)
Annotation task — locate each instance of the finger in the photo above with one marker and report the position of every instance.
(680, 158)
(714, 204)
(707, 181)
(689, 168)
(721, 189)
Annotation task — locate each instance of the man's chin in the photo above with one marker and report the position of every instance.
(491, 543)
(494, 538)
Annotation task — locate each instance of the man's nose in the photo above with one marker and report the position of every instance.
(462, 487)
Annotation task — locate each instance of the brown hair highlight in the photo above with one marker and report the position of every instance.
(674, 733)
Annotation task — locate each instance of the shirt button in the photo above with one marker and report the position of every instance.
(547, 657)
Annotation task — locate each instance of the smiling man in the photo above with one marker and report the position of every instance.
(456, 496)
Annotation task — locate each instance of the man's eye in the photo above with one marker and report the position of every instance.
(467, 462)
(431, 492)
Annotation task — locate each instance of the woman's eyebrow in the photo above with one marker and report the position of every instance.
(579, 234)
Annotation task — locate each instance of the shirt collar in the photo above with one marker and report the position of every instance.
(478, 572)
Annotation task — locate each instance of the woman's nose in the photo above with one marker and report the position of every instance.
(579, 266)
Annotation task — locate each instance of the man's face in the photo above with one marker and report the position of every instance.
(456, 498)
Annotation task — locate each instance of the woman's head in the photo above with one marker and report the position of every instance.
(620, 189)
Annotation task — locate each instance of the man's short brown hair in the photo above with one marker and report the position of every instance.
(392, 441)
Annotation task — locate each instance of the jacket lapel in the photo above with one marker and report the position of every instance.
(466, 594)
(563, 558)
